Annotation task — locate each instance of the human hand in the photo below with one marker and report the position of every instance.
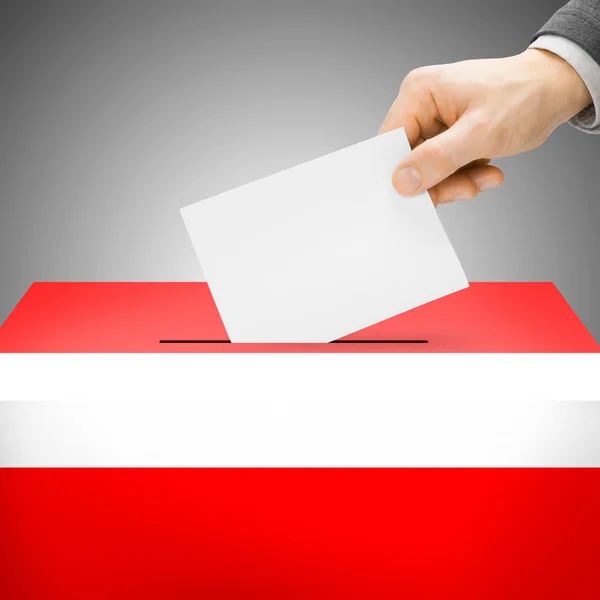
(459, 116)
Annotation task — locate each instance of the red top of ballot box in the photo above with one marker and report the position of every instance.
(182, 317)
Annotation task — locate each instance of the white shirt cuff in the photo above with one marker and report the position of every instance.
(588, 119)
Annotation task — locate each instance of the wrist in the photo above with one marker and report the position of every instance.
(559, 82)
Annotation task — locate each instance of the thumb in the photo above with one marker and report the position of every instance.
(438, 158)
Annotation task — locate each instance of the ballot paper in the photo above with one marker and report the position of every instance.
(324, 249)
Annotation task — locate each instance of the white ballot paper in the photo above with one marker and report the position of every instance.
(321, 250)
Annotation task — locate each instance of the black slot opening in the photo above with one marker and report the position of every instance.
(194, 342)
(333, 342)
(379, 342)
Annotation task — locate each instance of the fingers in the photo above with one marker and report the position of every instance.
(478, 163)
(392, 120)
(396, 116)
(466, 184)
(401, 117)
(414, 109)
(445, 157)
(438, 158)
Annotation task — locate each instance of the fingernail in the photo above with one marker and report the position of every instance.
(407, 180)
(463, 197)
(488, 185)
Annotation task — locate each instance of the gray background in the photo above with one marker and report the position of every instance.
(115, 114)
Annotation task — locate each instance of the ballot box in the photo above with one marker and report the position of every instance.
(206, 469)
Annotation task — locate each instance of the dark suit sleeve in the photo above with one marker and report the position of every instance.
(578, 21)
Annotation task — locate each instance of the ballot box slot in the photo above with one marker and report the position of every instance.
(333, 342)
(379, 342)
(194, 342)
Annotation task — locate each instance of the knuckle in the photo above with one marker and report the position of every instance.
(414, 80)
(441, 160)
(481, 124)
(483, 131)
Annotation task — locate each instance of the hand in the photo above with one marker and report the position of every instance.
(459, 116)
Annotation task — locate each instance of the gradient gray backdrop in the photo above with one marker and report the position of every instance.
(115, 114)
